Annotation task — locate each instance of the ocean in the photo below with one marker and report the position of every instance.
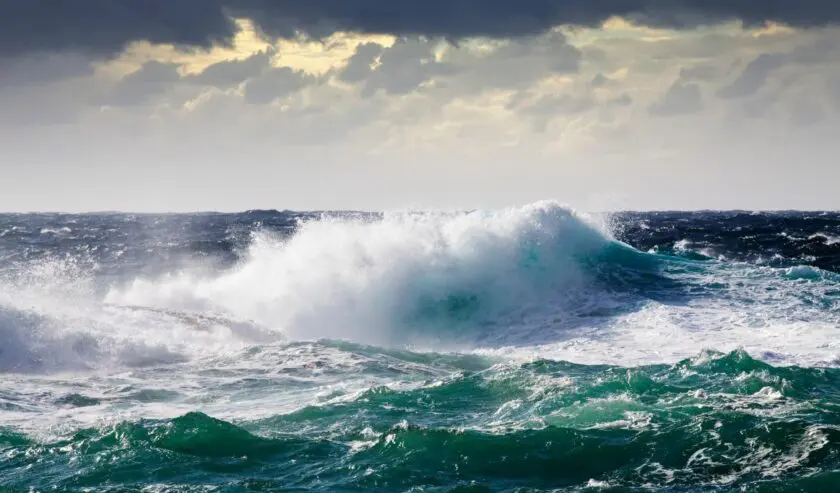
(526, 349)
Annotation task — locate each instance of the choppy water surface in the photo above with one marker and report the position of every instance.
(526, 349)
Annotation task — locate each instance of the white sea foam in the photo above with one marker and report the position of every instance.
(52, 319)
(829, 239)
(366, 280)
(534, 270)
(517, 283)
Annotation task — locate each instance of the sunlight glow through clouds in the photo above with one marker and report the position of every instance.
(617, 108)
(314, 57)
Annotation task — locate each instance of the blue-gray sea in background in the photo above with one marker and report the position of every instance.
(525, 349)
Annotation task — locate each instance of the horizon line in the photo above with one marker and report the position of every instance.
(94, 212)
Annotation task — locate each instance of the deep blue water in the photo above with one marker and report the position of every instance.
(527, 349)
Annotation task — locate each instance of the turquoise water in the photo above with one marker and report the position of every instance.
(718, 422)
(520, 350)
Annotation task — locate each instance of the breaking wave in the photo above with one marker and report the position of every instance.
(542, 278)
(520, 349)
(414, 277)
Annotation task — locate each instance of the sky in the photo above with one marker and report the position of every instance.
(155, 105)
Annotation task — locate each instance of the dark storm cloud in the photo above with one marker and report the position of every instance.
(105, 26)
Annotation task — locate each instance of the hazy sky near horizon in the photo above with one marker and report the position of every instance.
(375, 104)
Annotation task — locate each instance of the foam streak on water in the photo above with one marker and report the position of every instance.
(526, 349)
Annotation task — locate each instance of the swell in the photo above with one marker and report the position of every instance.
(714, 421)
(781, 239)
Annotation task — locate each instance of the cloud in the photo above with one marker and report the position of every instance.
(754, 76)
(360, 64)
(44, 68)
(515, 64)
(681, 99)
(139, 87)
(698, 72)
(231, 73)
(543, 110)
(106, 26)
(275, 84)
(437, 108)
(404, 67)
(450, 71)
(600, 80)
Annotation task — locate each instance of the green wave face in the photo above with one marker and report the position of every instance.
(231, 377)
(718, 422)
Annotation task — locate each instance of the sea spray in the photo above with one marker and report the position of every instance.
(526, 349)
(366, 280)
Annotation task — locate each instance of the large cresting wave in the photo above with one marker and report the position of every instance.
(482, 351)
(536, 281)
(411, 278)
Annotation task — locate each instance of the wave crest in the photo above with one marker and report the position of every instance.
(369, 280)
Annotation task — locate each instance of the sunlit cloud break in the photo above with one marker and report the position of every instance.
(375, 105)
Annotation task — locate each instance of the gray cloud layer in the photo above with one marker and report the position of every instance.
(105, 26)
